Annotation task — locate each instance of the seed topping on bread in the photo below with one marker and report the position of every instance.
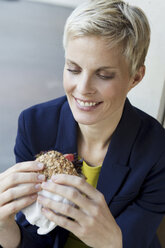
(57, 163)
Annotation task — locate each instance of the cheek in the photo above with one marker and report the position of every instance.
(110, 91)
(117, 88)
(114, 92)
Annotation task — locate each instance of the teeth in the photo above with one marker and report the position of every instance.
(86, 104)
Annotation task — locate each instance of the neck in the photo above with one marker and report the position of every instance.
(99, 134)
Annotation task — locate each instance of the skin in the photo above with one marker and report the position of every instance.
(92, 73)
(93, 222)
(18, 189)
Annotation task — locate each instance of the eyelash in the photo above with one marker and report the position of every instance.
(75, 72)
(105, 77)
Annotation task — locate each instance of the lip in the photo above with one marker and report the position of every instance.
(82, 100)
(86, 108)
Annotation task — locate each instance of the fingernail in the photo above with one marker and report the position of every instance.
(40, 165)
(41, 177)
(38, 186)
(54, 177)
(39, 198)
(45, 184)
(45, 210)
(34, 196)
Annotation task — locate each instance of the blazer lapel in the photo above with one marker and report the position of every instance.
(66, 141)
(115, 166)
(61, 236)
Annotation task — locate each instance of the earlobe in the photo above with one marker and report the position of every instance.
(138, 76)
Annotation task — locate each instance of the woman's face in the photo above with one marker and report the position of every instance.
(96, 80)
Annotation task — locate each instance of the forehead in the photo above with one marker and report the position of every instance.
(93, 50)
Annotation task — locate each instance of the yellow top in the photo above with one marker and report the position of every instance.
(92, 175)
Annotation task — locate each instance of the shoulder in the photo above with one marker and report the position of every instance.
(146, 130)
(43, 109)
(38, 125)
(151, 128)
(149, 144)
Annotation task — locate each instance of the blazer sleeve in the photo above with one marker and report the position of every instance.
(140, 220)
(28, 231)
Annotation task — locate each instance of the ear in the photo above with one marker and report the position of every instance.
(137, 77)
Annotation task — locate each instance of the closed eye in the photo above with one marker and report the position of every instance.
(74, 71)
(105, 77)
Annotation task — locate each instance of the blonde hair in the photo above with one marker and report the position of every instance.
(116, 21)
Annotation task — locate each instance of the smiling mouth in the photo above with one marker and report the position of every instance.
(87, 104)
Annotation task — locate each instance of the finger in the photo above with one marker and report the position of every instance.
(18, 192)
(30, 166)
(14, 179)
(76, 182)
(17, 205)
(27, 166)
(62, 221)
(69, 193)
(62, 208)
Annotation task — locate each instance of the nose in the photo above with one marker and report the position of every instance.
(85, 85)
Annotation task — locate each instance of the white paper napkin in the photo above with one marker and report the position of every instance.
(34, 215)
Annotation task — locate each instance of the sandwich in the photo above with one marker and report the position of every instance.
(57, 163)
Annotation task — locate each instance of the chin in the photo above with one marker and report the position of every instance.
(84, 120)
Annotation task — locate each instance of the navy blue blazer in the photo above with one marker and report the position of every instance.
(132, 176)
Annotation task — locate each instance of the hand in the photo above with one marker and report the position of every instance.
(93, 222)
(18, 189)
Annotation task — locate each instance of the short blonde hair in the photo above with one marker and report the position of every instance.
(116, 21)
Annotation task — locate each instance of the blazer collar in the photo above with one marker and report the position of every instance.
(115, 166)
(66, 141)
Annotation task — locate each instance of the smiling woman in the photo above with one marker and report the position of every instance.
(120, 201)
(97, 83)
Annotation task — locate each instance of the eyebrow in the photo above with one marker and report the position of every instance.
(71, 62)
(101, 68)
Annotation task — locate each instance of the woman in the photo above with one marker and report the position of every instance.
(123, 148)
